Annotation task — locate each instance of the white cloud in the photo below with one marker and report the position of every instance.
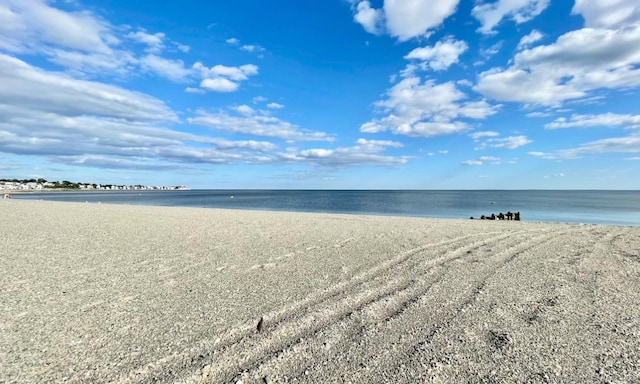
(33, 88)
(31, 25)
(234, 73)
(245, 110)
(155, 42)
(90, 136)
(440, 56)
(219, 84)
(378, 144)
(426, 109)
(90, 47)
(511, 142)
(591, 48)
(602, 120)
(480, 135)
(118, 63)
(370, 19)
(488, 52)
(543, 155)
(195, 90)
(625, 144)
(412, 18)
(529, 39)
(540, 114)
(252, 48)
(489, 139)
(171, 69)
(483, 160)
(491, 14)
(414, 99)
(256, 123)
(478, 109)
(221, 78)
(579, 62)
(403, 19)
(431, 128)
(365, 153)
(182, 47)
(608, 14)
(93, 124)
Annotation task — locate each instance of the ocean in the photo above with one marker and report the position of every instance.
(574, 206)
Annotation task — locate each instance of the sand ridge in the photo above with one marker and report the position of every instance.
(129, 294)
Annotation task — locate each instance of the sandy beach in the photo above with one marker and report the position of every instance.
(132, 294)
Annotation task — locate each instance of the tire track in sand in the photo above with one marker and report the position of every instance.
(422, 298)
(389, 367)
(382, 297)
(202, 354)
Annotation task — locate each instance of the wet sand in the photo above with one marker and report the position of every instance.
(132, 294)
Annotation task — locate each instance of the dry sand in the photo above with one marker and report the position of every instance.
(131, 294)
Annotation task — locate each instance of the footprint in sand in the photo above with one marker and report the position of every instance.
(344, 242)
(288, 255)
(263, 266)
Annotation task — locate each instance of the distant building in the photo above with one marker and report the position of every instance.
(39, 186)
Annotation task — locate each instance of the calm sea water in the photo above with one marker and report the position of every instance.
(595, 207)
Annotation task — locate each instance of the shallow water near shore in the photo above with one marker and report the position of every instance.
(582, 206)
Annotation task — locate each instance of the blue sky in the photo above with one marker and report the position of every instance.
(394, 94)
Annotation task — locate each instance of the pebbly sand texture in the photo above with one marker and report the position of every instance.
(130, 294)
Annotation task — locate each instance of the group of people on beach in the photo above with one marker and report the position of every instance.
(501, 216)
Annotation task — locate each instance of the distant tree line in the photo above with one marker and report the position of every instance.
(24, 181)
(65, 184)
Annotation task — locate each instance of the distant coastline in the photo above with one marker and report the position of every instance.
(36, 185)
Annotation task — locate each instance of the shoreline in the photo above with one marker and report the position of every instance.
(128, 294)
(381, 214)
(609, 208)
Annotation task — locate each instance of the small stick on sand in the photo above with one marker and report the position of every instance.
(260, 326)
